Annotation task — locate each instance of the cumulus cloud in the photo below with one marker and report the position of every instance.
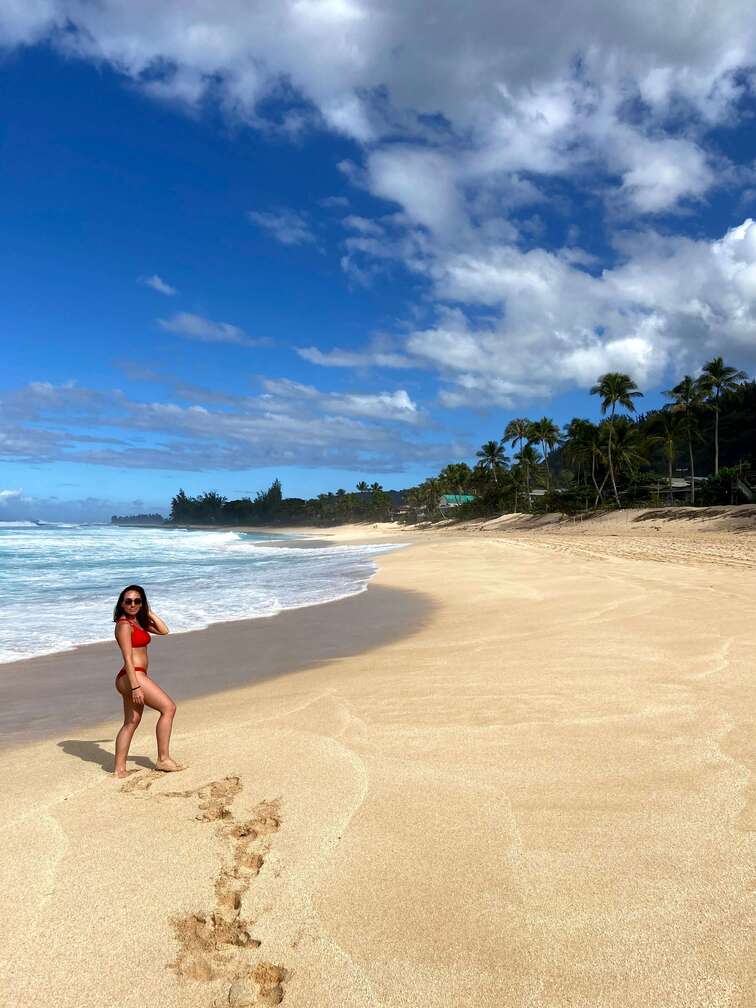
(158, 284)
(204, 330)
(670, 303)
(514, 325)
(287, 226)
(658, 174)
(462, 119)
(511, 86)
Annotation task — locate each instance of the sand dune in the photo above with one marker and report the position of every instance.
(541, 796)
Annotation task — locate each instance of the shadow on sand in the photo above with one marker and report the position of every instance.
(93, 752)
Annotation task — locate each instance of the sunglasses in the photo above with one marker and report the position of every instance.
(132, 601)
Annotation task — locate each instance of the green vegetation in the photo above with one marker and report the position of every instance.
(138, 519)
(270, 507)
(625, 460)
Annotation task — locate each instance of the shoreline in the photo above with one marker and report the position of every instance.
(302, 543)
(65, 691)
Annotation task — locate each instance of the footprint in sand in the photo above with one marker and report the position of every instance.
(141, 782)
(214, 798)
(218, 945)
(264, 986)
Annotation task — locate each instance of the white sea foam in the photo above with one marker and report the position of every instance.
(59, 583)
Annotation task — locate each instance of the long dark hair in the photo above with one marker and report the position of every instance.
(143, 616)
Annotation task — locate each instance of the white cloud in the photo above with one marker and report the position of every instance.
(514, 325)
(472, 91)
(287, 226)
(9, 496)
(461, 119)
(196, 327)
(362, 225)
(422, 182)
(658, 174)
(287, 423)
(387, 406)
(158, 284)
(383, 406)
(672, 302)
(23, 22)
(379, 353)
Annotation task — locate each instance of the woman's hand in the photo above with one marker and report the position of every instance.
(156, 624)
(137, 697)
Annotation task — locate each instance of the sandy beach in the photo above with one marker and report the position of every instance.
(517, 771)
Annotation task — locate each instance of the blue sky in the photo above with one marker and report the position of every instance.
(337, 240)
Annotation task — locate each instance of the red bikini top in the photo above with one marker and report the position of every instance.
(139, 637)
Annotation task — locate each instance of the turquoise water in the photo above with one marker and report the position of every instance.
(58, 583)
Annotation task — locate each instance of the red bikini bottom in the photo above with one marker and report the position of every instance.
(136, 669)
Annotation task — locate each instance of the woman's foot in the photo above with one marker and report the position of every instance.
(168, 765)
(120, 773)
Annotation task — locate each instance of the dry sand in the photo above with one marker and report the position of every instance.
(537, 793)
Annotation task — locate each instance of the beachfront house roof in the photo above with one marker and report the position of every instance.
(454, 500)
(449, 501)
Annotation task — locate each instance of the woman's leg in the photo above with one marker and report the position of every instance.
(159, 700)
(132, 715)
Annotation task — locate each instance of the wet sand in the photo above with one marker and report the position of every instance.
(55, 694)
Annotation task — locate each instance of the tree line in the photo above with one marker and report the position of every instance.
(707, 429)
(626, 459)
(137, 519)
(370, 502)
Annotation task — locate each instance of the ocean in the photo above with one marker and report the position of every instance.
(59, 583)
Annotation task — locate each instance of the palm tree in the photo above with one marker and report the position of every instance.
(631, 445)
(616, 389)
(455, 478)
(546, 433)
(518, 430)
(596, 447)
(668, 428)
(716, 378)
(688, 397)
(430, 493)
(584, 447)
(492, 458)
(362, 487)
(529, 460)
(575, 450)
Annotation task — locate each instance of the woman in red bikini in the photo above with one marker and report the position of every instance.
(134, 621)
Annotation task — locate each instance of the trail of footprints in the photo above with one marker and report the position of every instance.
(217, 945)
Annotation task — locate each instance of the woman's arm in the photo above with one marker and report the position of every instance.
(157, 625)
(123, 636)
